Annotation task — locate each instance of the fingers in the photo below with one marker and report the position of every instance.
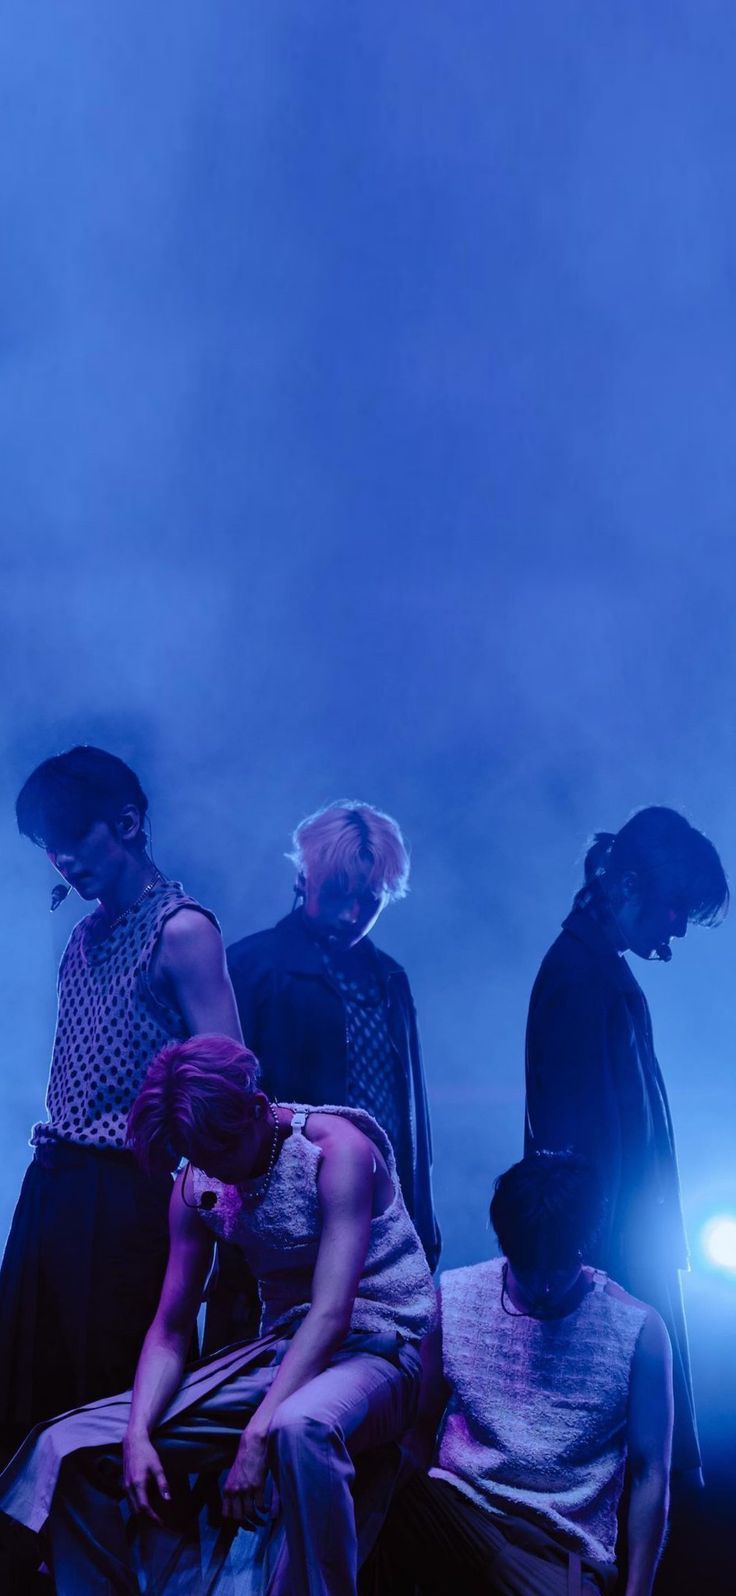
(162, 1483)
(137, 1491)
(245, 1507)
(237, 1504)
(231, 1504)
(139, 1503)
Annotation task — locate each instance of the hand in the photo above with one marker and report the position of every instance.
(142, 1470)
(243, 1492)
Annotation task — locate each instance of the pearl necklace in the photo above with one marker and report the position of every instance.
(209, 1199)
(257, 1193)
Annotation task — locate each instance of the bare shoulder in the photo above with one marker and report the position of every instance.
(339, 1137)
(613, 1289)
(190, 928)
(653, 1340)
(190, 943)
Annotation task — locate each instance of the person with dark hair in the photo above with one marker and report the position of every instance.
(545, 1378)
(87, 1250)
(311, 1196)
(593, 1082)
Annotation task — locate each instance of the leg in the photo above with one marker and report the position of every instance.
(89, 1550)
(362, 1401)
(435, 1539)
(90, 1545)
(130, 1248)
(439, 1540)
(80, 1282)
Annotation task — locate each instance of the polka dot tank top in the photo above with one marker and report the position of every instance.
(110, 1023)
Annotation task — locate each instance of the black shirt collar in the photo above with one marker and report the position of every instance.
(586, 928)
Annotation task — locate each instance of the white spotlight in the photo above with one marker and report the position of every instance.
(718, 1239)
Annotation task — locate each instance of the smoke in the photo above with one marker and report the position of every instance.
(367, 406)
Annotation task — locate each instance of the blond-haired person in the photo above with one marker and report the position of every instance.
(331, 1017)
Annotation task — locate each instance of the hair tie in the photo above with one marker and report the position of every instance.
(606, 846)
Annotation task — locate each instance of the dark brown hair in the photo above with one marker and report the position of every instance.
(669, 858)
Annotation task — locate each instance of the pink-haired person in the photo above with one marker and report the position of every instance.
(311, 1197)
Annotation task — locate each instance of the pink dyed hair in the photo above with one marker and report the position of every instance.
(355, 845)
(193, 1101)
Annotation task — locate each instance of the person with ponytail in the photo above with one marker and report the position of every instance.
(593, 1083)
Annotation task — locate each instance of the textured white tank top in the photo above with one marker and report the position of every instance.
(537, 1419)
(280, 1238)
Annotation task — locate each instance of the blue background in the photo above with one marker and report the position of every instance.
(367, 417)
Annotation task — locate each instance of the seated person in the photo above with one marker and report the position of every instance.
(311, 1197)
(549, 1376)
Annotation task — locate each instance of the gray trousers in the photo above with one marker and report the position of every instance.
(362, 1402)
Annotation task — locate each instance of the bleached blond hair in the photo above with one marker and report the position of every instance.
(355, 845)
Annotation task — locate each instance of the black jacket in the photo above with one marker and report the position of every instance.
(593, 1083)
(293, 1018)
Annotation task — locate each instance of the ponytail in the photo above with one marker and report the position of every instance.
(598, 855)
(667, 856)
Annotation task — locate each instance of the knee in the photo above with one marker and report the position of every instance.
(296, 1434)
(73, 1476)
(50, 1456)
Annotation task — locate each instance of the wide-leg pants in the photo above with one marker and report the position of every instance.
(362, 1402)
(80, 1280)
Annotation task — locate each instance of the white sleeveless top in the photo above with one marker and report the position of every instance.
(280, 1237)
(537, 1418)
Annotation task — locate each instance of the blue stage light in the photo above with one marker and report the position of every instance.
(718, 1240)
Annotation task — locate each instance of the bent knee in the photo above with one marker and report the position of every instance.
(293, 1431)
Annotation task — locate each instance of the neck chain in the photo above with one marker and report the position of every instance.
(257, 1193)
(209, 1199)
(518, 1313)
(513, 1313)
(149, 887)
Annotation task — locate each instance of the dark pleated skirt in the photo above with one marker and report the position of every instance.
(79, 1283)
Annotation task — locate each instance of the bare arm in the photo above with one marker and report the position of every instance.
(345, 1189)
(163, 1356)
(190, 967)
(244, 975)
(650, 1447)
(434, 1395)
